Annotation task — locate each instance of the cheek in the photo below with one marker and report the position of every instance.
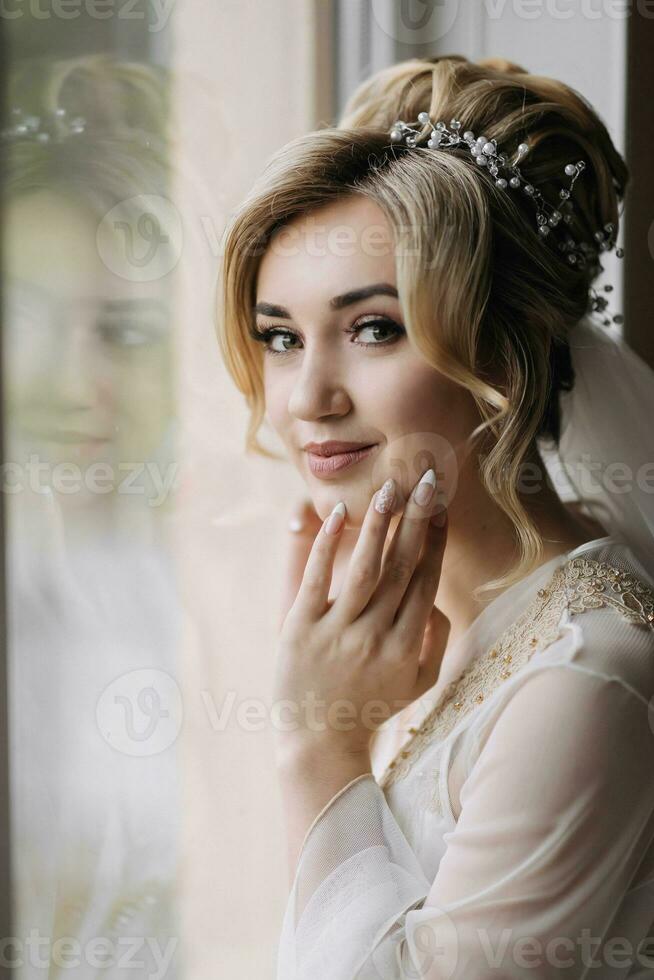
(411, 400)
(276, 409)
(440, 403)
(271, 398)
(426, 420)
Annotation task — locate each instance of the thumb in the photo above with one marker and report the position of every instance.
(304, 525)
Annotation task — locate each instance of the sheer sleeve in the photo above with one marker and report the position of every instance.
(556, 815)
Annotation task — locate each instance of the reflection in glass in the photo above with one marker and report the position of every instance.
(90, 243)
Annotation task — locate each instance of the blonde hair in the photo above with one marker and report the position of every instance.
(505, 300)
(124, 149)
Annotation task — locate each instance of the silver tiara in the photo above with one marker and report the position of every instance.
(56, 126)
(41, 129)
(507, 175)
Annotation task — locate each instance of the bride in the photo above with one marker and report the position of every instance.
(467, 637)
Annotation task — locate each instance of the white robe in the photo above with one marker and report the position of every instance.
(515, 838)
(95, 828)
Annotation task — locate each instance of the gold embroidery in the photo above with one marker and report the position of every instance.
(579, 584)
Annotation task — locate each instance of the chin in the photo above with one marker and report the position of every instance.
(355, 508)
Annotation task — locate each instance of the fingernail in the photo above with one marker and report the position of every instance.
(295, 524)
(423, 492)
(335, 519)
(384, 497)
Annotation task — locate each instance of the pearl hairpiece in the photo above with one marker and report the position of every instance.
(42, 129)
(507, 175)
(55, 126)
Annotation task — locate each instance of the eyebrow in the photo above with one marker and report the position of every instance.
(129, 303)
(141, 302)
(336, 302)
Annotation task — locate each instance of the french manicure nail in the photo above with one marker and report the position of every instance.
(335, 519)
(384, 497)
(424, 490)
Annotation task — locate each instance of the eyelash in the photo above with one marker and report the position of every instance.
(264, 336)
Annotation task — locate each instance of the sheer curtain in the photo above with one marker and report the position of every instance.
(249, 77)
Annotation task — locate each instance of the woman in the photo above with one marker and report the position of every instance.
(92, 599)
(467, 777)
(88, 333)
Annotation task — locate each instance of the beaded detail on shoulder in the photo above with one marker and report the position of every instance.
(578, 584)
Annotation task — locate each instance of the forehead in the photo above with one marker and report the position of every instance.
(51, 249)
(343, 245)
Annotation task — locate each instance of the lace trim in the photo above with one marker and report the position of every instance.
(579, 584)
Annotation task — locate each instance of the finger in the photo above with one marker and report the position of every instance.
(402, 553)
(303, 527)
(418, 600)
(365, 562)
(313, 595)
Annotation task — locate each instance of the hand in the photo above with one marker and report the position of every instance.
(348, 664)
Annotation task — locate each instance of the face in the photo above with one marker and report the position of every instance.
(344, 369)
(87, 353)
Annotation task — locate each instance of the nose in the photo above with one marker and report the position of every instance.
(76, 372)
(318, 389)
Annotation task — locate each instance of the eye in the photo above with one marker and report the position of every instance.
(390, 326)
(393, 330)
(127, 333)
(267, 335)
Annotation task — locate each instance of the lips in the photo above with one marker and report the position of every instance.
(73, 437)
(333, 447)
(324, 466)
